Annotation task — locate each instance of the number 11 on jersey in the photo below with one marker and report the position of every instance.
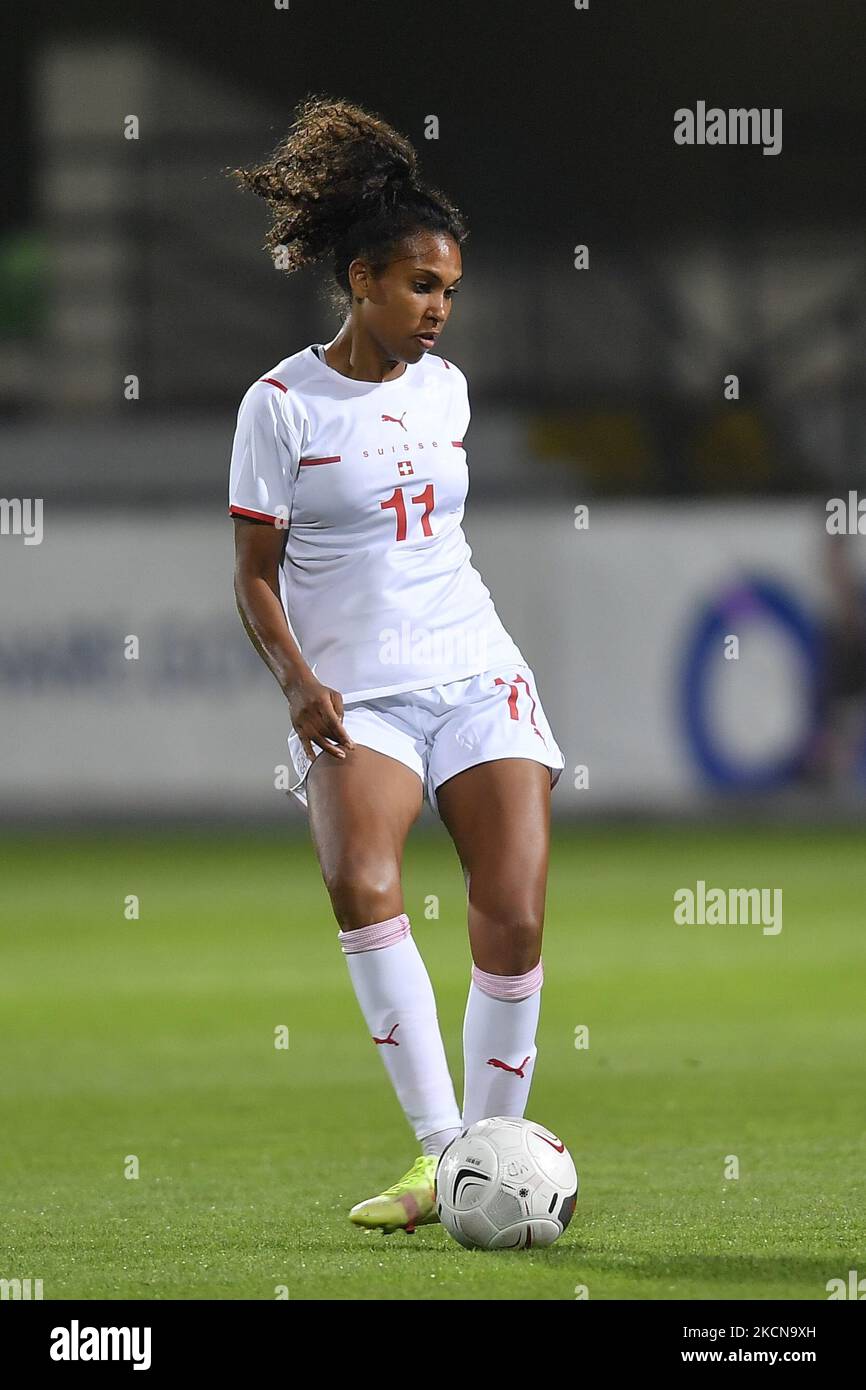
(398, 502)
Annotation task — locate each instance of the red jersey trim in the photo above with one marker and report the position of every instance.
(255, 516)
(272, 381)
(306, 463)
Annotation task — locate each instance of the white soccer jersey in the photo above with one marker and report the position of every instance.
(370, 478)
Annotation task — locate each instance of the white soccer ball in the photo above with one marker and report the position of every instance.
(506, 1184)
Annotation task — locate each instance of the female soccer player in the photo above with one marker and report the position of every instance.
(354, 583)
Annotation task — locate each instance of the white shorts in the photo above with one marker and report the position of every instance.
(445, 729)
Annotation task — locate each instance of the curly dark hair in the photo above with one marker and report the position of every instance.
(345, 184)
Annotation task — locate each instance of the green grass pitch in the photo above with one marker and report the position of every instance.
(155, 1038)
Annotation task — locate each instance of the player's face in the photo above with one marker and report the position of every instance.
(413, 297)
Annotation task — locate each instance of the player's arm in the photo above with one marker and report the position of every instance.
(316, 710)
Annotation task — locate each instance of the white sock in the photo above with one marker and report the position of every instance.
(396, 998)
(499, 1043)
(438, 1143)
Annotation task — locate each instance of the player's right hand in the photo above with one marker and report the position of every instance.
(317, 713)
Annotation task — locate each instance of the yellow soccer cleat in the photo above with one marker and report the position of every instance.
(409, 1203)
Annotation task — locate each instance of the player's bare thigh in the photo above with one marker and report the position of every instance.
(498, 815)
(361, 809)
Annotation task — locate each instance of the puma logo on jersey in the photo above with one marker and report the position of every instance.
(389, 1039)
(518, 1071)
(395, 421)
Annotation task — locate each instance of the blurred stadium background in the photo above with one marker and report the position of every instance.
(600, 388)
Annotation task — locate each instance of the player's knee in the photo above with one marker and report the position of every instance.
(363, 891)
(512, 940)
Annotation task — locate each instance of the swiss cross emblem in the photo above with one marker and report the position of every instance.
(404, 467)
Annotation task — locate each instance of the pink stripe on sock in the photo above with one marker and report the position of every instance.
(512, 987)
(375, 936)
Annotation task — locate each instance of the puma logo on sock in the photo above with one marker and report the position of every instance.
(389, 1039)
(518, 1071)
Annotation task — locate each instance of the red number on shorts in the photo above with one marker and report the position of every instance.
(397, 501)
(512, 701)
